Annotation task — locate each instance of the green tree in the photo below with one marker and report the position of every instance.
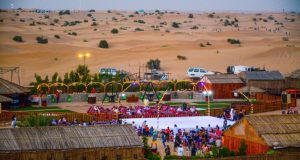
(59, 80)
(103, 44)
(66, 78)
(95, 77)
(46, 80)
(153, 64)
(54, 77)
(82, 70)
(38, 79)
(18, 39)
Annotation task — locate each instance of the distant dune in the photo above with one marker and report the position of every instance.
(262, 43)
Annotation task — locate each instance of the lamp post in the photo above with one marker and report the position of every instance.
(84, 56)
(207, 93)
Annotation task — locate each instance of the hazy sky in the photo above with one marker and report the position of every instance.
(181, 5)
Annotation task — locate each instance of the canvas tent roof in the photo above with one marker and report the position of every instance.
(248, 89)
(7, 87)
(281, 129)
(68, 137)
(222, 78)
(4, 99)
(262, 75)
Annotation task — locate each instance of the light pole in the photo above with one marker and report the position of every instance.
(207, 93)
(84, 56)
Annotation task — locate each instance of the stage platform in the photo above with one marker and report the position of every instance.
(181, 122)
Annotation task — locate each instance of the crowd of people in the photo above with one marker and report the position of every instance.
(144, 111)
(197, 141)
(63, 122)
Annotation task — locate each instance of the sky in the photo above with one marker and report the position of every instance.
(179, 5)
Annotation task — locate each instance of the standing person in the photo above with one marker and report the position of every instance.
(57, 96)
(144, 128)
(180, 151)
(164, 139)
(167, 150)
(175, 130)
(154, 140)
(193, 150)
(168, 134)
(14, 121)
(177, 142)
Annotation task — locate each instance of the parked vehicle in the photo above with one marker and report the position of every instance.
(238, 69)
(194, 72)
(109, 71)
(156, 75)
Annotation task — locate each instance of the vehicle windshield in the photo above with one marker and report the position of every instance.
(196, 70)
(191, 69)
(103, 69)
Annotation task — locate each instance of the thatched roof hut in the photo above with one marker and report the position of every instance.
(7, 87)
(270, 81)
(293, 80)
(108, 140)
(262, 132)
(4, 99)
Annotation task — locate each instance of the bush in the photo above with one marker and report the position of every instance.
(131, 15)
(139, 29)
(191, 16)
(94, 24)
(114, 19)
(55, 20)
(18, 39)
(180, 57)
(57, 36)
(35, 121)
(233, 41)
(195, 27)
(202, 45)
(85, 21)
(42, 40)
(92, 10)
(64, 12)
(140, 21)
(72, 33)
(211, 15)
(153, 64)
(285, 38)
(89, 15)
(108, 11)
(175, 25)
(114, 31)
(208, 44)
(103, 44)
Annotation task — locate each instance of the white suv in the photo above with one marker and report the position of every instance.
(194, 72)
(109, 71)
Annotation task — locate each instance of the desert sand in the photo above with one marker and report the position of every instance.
(129, 48)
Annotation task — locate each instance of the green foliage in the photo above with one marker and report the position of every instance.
(103, 44)
(175, 25)
(41, 40)
(138, 29)
(114, 31)
(233, 41)
(18, 39)
(35, 121)
(153, 64)
(54, 77)
(66, 78)
(64, 12)
(180, 57)
(243, 148)
(82, 70)
(57, 36)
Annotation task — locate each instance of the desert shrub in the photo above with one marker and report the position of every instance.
(131, 15)
(136, 12)
(72, 33)
(103, 44)
(41, 40)
(17, 14)
(64, 12)
(94, 24)
(1, 20)
(22, 20)
(195, 27)
(114, 31)
(85, 40)
(57, 36)
(108, 11)
(175, 25)
(227, 23)
(265, 20)
(46, 16)
(202, 45)
(191, 15)
(85, 21)
(167, 31)
(208, 44)
(254, 19)
(114, 19)
(141, 21)
(92, 10)
(270, 17)
(95, 29)
(18, 39)
(158, 17)
(89, 15)
(93, 19)
(292, 20)
(180, 57)
(56, 20)
(285, 38)
(211, 15)
(153, 64)
(163, 23)
(139, 29)
(233, 41)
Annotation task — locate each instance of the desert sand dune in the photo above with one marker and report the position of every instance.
(263, 47)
